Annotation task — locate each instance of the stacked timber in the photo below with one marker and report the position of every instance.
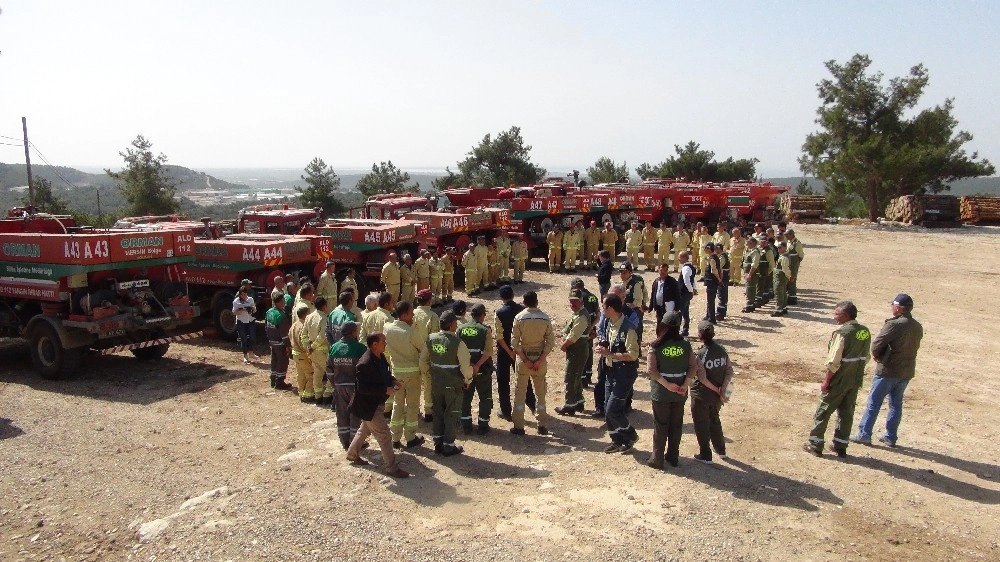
(941, 211)
(802, 208)
(980, 210)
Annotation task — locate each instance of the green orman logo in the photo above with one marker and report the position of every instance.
(470, 331)
(439, 348)
(862, 335)
(672, 351)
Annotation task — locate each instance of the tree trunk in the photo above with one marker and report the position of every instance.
(873, 209)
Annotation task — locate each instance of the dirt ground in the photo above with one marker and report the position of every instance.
(195, 458)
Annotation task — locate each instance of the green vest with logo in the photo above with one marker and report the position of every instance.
(474, 335)
(748, 261)
(857, 348)
(445, 370)
(672, 360)
(714, 358)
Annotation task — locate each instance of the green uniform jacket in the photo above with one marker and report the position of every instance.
(343, 359)
(716, 362)
(474, 335)
(857, 346)
(672, 362)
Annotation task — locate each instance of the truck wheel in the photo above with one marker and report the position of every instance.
(151, 353)
(224, 320)
(49, 357)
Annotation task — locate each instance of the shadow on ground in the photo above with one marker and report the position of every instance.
(8, 430)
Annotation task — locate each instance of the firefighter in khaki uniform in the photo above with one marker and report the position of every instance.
(425, 322)
(576, 342)
(591, 245)
(300, 355)
(847, 354)
(471, 265)
(422, 270)
(406, 279)
(446, 359)
(633, 243)
(682, 242)
(721, 236)
(448, 275)
(327, 284)
(316, 345)
(478, 337)
(664, 237)
(532, 339)
(436, 267)
(751, 273)
(503, 252)
(390, 276)
(493, 265)
(609, 240)
(519, 254)
(403, 344)
(482, 262)
(696, 246)
(737, 245)
(704, 237)
(555, 241)
(571, 243)
(649, 235)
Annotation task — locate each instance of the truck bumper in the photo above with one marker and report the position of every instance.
(150, 343)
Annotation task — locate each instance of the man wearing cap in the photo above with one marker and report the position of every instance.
(422, 270)
(503, 327)
(782, 275)
(436, 267)
(795, 255)
(448, 274)
(532, 339)
(633, 244)
(426, 322)
(592, 303)
(390, 276)
(609, 240)
(446, 358)
(751, 273)
(635, 293)
(318, 348)
(503, 252)
(519, 254)
(406, 279)
(847, 354)
(555, 241)
(664, 238)
(276, 326)
(341, 366)
(895, 352)
(649, 235)
(575, 342)
(478, 337)
(591, 245)
(664, 294)
(327, 284)
(682, 243)
(403, 345)
(471, 265)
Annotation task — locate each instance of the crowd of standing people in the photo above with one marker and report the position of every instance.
(380, 366)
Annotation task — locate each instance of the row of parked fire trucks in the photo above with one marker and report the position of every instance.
(69, 289)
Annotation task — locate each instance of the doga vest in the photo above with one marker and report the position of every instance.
(633, 280)
(724, 265)
(445, 370)
(748, 261)
(681, 285)
(474, 336)
(343, 360)
(591, 303)
(714, 358)
(620, 368)
(506, 314)
(672, 359)
(857, 348)
(274, 321)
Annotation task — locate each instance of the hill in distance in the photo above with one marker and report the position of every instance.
(15, 175)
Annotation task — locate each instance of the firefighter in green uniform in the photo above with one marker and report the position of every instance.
(276, 325)
(782, 275)
(446, 357)
(478, 337)
(848, 352)
(795, 255)
(672, 368)
(576, 341)
(765, 287)
(593, 305)
(751, 273)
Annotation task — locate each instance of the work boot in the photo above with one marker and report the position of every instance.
(566, 410)
(467, 427)
(793, 300)
(747, 309)
(484, 428)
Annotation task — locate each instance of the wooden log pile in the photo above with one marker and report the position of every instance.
(802, 208)
(940, 211)
(980, 210)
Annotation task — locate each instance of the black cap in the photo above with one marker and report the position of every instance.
(903, 300)
(672, 318)
(506, 292)
(709, 246)
(576, 283)
(576, 294)
(627, 266)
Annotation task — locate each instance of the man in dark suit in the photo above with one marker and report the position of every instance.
(374, 386)
(664, 294)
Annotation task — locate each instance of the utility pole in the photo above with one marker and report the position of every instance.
(27, 161)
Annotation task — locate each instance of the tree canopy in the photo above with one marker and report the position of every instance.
(869, 149)
(692, 163)
(46, 200)
(496, 161)
(605, 170)
(321, 182)
(143, 182)
(385, 177)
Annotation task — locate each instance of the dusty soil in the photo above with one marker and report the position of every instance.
(194, 458)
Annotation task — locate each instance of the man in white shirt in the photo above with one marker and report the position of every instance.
(244, 309)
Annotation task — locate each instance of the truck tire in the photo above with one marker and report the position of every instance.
(151, 353)
(50, 359)
(224, 319)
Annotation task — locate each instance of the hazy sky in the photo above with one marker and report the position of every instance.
(273, 84)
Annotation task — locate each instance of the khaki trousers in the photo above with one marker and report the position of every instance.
(405, 407)
(537, 378)
(377, 427)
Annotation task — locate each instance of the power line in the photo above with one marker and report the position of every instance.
(9, 138)
(54, 169)
(11, 143)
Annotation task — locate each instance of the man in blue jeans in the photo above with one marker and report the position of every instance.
(895, 352)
